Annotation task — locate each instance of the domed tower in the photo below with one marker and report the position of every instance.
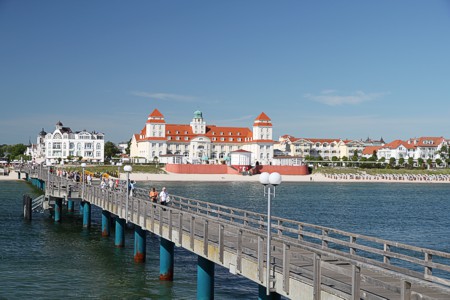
(59, 125)
(198, 125)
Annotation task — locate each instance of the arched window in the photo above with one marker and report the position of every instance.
(57, 136)
(99, 146)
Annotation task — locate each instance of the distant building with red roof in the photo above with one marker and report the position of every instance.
(422, 147)
(198, 142)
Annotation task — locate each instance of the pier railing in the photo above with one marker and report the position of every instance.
(306, 252)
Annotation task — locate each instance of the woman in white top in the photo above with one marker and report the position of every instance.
(163, 197)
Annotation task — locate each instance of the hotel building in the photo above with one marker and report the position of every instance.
(198, 142)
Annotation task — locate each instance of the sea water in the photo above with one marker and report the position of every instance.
(44, 260)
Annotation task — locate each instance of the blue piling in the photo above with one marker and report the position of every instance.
(106, 222)
(205, 279)
(18, 175)
(262, 294)
(81, 208)
(27, 178)
(58, 209)
(120, 233)
(166, 259)
(70, 206)
(139, 244)
(87, 214)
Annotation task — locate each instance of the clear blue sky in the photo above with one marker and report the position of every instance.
(338, 69)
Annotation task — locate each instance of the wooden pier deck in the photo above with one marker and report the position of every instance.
(307, 262)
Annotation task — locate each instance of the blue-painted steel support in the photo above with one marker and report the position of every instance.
(106, 223)
(139, 244)
(205, 279)
(81, 208)
(166, 259)
(262, 294)
(120, 233)
(87, 214)
(18, 175)
(58, 209)
(70, 206)
(27, 178)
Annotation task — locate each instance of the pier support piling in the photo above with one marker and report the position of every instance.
(58, 210)
(166, 250)
(106, 223)
(87, 214)
(81, 207)
(27, 212)
(262, 294)
(205, 279)
(139, 244)
(70, 206)
(120, 233)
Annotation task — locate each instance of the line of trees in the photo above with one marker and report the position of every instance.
(13, 152)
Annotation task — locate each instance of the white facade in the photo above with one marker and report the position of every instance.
(61, 144)
(198, 142)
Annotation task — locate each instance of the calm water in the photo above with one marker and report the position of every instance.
(44, 260)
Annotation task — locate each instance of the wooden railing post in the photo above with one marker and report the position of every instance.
(317, 277)
(239, 251)
(260, 259)
(300, 232)
(356, 282)
(405, 290)
(352, 241)
(205, 237)
(221, 242)
(192, 229)
(324, 236)
(180, 228)
(428, 259)
(386, 257)
(286, 267)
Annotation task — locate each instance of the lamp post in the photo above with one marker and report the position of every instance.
(127, 169)
(83, 166)
(268, 180)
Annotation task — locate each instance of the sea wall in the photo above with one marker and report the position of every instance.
(224, 169)
(200, 169)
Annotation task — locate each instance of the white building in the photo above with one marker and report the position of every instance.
(63, 145)
(423, 147)
(198, 142)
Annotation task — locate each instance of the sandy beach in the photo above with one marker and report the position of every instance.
(318, 177)
(12, 176)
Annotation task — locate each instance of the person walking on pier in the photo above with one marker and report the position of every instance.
(163, 197)
(153, 195)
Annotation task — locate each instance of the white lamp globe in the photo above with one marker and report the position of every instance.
(127, 168)
(264, 178)
(275, 178)
(83, 165)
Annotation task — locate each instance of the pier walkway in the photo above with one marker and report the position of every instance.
(307, 261)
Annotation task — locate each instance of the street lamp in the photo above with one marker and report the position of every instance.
(127, 169)
(267, 180)
(83, 166)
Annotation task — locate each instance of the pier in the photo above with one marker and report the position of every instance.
(307, 261)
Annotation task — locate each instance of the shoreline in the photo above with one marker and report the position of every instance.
(318, 177)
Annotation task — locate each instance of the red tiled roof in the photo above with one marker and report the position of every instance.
(262, 117)
(156, 113)
(369, 150)
(397, 143)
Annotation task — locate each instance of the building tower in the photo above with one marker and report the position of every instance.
(155, 126)
(198, 125)
(262, 128)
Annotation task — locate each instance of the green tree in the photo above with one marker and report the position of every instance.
(411, 162)
(429, 162)
(438, 162)
(382, 159)
(420, 162)
(127, 151)
(344, 158)
(374, 156)
(334, 158)
(401, 161)
(392, 161)
(111, 150)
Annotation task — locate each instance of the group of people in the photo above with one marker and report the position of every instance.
(163, 196)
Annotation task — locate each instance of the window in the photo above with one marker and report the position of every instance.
(99, 146)
(229, 133)
(222, 139)
(239, 139)
(221, 133)
(186, 138)
(178, 138)
(230, 139)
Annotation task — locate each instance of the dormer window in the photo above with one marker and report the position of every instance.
(177, 132)
(229, 133)
(221, 133)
